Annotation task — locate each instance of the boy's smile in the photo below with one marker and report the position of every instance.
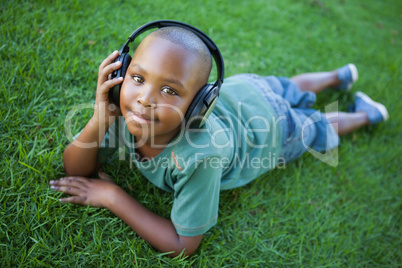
(160, 83)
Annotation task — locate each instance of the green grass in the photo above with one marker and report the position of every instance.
(307, 215)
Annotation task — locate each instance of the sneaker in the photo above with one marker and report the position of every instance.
(376, 111)
(348, 75)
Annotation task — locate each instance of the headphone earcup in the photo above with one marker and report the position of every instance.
(125, 62)
(201, 106)
(114, 93)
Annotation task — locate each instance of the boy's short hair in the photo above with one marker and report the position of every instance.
(189, 41)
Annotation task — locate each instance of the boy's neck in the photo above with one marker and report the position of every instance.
(148, 152)
(149, 149)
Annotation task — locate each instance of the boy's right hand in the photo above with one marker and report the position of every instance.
(106, 112)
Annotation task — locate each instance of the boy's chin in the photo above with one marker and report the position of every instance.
(142, 136)
(140, 133)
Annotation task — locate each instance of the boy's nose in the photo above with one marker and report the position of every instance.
(146, 99)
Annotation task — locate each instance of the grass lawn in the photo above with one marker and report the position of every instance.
(306, 215)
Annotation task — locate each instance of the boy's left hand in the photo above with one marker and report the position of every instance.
(86, 191)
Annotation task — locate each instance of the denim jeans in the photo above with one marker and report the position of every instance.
(302, 128)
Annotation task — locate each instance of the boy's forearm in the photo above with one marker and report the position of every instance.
(80, 156)
(156, 230)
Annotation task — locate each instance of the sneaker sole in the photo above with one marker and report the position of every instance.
(355, 74)
(381, 108)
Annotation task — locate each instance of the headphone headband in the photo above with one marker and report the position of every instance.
(213, 48)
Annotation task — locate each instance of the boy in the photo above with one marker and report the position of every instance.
(257, 123)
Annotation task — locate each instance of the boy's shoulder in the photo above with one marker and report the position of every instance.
(241, 96)
(197, 145)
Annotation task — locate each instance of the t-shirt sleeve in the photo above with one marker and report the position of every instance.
(196, 202)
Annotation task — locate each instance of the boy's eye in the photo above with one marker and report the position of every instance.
(169, 91)
(138, 79)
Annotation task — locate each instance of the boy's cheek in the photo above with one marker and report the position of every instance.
(171, 117)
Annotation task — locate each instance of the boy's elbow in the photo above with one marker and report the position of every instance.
(189, 246)
(71, 171)
(75, 164)
(74, 169)
(184, 253)
(77, 171)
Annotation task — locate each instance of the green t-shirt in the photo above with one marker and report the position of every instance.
(239, 142)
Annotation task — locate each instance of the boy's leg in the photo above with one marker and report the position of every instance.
(344, 123)
(341, 78)
(367, 112)
(316, 82)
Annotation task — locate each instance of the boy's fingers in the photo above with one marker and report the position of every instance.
(104, 176)
(107, 85)
(109, 59)
(69, 181)
(74, 199)
(67, 189)
(81, 179)
(110, 67)
(106, 71)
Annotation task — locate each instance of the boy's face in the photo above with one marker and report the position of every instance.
(160, 83)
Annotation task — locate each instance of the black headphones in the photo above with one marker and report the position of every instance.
(205, 100)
